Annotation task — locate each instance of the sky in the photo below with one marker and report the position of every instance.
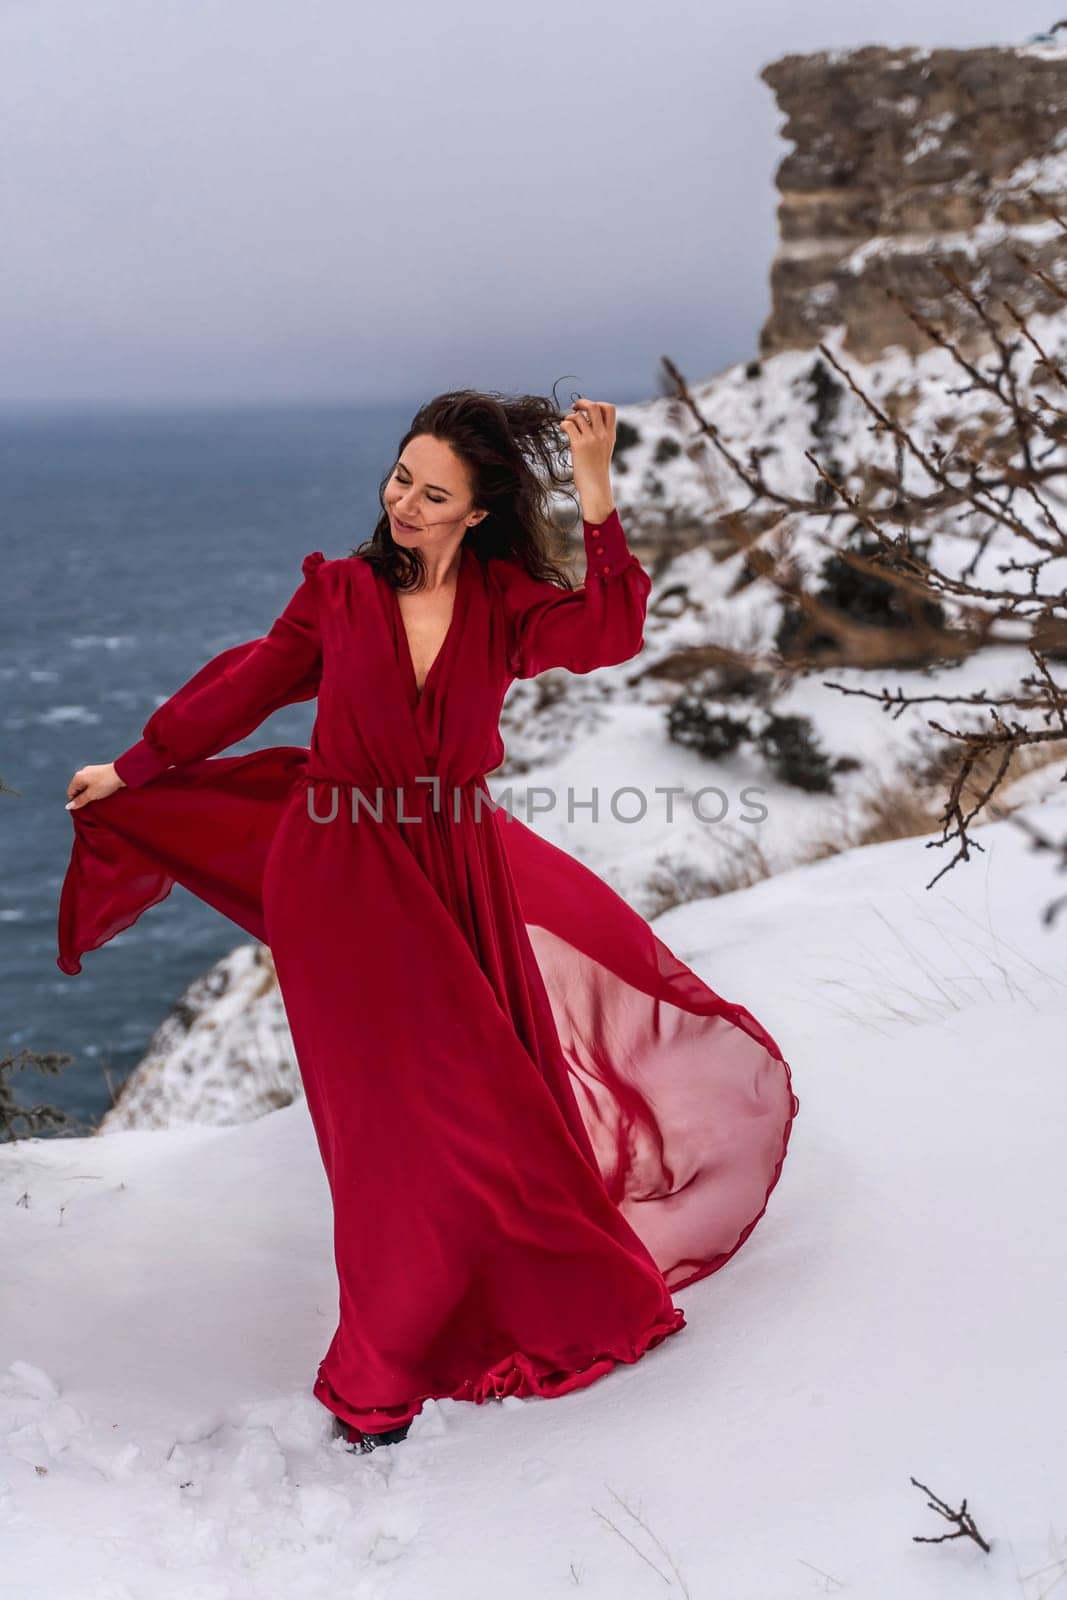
(265, 202)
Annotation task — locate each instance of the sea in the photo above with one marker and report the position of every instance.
(134, 546)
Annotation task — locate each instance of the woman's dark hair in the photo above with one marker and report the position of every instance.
(513, 448)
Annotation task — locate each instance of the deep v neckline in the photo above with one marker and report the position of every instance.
(419, 695)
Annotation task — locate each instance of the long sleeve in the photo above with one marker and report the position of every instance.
(235, 691)
(597, 625)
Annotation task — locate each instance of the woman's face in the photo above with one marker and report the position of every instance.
(428, 495)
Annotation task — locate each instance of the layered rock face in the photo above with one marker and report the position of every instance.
(904, 156)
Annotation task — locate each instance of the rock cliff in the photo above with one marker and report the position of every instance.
(904, 156)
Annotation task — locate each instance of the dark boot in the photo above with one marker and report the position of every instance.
(362, 1441)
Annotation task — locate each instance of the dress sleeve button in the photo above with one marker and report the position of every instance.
(600, 549)
(605, 570)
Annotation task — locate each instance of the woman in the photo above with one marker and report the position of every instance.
(535, 1121)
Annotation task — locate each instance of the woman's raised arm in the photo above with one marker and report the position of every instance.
(235, 691)
(597, 625)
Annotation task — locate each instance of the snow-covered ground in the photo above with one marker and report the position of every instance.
(606, 737)
(568, 736)
(899, 1312)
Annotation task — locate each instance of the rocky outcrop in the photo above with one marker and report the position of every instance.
(904, 156)
(224, 1054)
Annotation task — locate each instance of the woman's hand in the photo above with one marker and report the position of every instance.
(590, 427)
(92, 783)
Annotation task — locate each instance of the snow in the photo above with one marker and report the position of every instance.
(768, 406)
(930, 131)
(1043, 46)
(608, 730)
(627, 761)
(898, 1312)
(972, 242)
(223, 1054)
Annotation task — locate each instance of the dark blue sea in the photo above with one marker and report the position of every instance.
(133, 547)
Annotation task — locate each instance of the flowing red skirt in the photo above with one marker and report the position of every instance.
(536, 1122)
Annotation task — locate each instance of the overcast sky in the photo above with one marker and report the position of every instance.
(273, 200)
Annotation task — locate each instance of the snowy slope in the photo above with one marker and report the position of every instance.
(567, 735)
(570, 737)
(773, 405)
(899, 1311)
(222, 1054)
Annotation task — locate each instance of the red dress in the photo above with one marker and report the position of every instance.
(535, 1120)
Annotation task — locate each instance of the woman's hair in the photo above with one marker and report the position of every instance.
(513, 448)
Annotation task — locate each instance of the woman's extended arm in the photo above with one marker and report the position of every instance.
(597, 625)
(235, 691)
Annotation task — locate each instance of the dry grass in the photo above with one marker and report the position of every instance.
(747, 865)
(672, 883)
(898, 810)
(911, 806)
(908, 807)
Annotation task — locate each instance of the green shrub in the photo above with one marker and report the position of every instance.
(787, 743)
(862, 596)
(790, 746)
(711, 733)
